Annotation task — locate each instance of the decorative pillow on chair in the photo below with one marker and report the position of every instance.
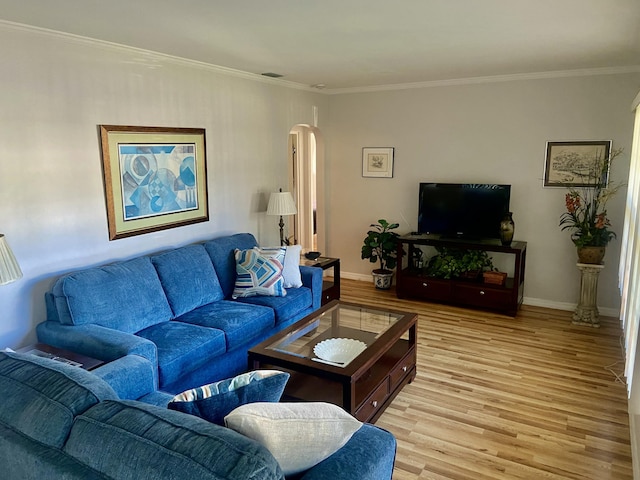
(298, 435)
(291, 268)
(213, 402)
(258, 274)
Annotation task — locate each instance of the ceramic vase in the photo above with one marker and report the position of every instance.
(507, 228)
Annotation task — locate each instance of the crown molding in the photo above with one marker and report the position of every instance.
(157, 57)
(585, 72)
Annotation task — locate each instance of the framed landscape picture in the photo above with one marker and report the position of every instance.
(577, 164)
(377, 162)
(154, 178)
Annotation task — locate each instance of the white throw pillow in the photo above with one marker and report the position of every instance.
(298, 435)
(291, 270)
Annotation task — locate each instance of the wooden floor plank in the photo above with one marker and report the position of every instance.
(498, 397)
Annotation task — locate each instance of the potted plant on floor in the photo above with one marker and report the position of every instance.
(380, 245)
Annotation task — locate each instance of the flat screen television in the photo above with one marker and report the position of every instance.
(462, 210)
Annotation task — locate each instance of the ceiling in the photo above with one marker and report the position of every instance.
(350, 44)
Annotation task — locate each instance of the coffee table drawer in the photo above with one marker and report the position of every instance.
(373, 402)
(403, 368)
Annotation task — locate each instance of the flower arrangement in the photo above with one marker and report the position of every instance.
(586, 213)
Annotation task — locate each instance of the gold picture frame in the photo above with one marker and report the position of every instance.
(155, 178)
(377, 162)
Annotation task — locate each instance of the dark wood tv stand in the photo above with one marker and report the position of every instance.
(412, 282)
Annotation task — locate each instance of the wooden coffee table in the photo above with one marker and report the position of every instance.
(364, 386)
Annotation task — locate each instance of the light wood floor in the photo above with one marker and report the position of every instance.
(497, 397)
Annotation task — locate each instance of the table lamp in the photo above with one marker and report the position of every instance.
(9, 268)
(281, 203)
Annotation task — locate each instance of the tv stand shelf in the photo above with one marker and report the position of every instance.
(411, 282)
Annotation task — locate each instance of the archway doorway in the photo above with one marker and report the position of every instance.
(306, 179)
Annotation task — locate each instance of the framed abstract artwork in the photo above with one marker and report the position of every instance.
(377, 162)
(577, 164)
(154, 178)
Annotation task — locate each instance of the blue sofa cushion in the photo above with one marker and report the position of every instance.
(125, 296)
(221, 250)
(241, 323)
(36, 389)
(215, 401)
(297, 300)
(23, 458)
(131, 440)
(188, 278)
(374, 449)
(183, 347)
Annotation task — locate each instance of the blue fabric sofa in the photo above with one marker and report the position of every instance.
(175, 309)
(61, 422)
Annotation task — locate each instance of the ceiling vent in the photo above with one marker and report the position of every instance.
(272, 75)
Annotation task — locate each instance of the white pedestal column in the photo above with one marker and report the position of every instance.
(587, 310)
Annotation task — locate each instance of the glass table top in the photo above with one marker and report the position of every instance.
(344, 330)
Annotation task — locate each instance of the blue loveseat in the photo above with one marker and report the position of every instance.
(174, 308)
(61, 422)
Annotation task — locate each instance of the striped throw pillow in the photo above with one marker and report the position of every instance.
(291, 263)
(258, 274)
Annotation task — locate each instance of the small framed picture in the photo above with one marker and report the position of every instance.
(577, 164)
(377, 162)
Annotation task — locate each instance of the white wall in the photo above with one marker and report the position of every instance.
(491, 132)
(55, 90)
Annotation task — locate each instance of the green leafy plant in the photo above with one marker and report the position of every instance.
(380, 245)
(586, 215)
(455, 262)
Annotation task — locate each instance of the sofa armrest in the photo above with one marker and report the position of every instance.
(131, 376)
(95, 341)
(368, 455)
(312, 279)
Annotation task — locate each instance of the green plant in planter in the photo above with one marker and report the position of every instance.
(380, 245)
(455, 262)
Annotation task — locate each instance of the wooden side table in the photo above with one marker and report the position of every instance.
(586, 312)
(61, 355)
(330, 289)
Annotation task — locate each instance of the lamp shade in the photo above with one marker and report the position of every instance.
(281, 203)
(9, 268)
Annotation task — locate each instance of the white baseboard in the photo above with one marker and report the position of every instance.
(534, 302)
(357, 276)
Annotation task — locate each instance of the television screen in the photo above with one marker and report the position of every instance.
(468, 210)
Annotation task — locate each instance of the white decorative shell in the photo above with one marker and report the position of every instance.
(339, 350)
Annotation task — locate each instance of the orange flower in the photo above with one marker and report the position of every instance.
(601, 221)
(572, 201)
